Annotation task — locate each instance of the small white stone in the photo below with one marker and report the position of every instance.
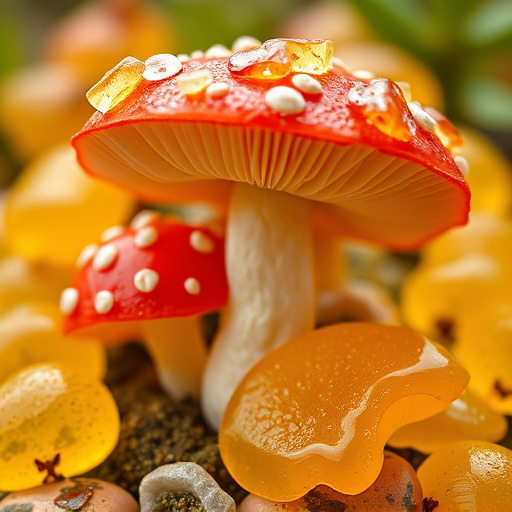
(68, 301)
(103, 302)
(364, 74)
(424, 119)
(104, 257)
(307, 84)
(183, 57)
(285, 100)
(146, 236)
(201, 242)
(145, 218)
(86, 255)
(217, 51)
(111, 233)
(462, 164)
(161, 66)
(405, 87)
(197, 54)
(192, 286)
(217, 90)
(244, 43)
(145, 280)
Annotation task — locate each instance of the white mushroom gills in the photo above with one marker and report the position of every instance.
(69, 301)
(104, 257)
(201, 242)
(307, 84)
(103, 302)
(146, 280)
(145, 237)
(285, 100)
(86, 255)
(111, 233)
(192, 286)
(161, 66)
(217, 90)
(462, 164)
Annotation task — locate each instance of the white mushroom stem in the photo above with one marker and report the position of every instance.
(270, 274)
(184, 477)
(179, 354)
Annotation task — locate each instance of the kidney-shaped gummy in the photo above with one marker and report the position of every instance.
(319, 409)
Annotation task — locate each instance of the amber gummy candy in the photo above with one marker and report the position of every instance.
(319, 409)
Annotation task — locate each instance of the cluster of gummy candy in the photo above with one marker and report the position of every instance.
(312, 416)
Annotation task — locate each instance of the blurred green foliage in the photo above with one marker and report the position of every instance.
(468, 43)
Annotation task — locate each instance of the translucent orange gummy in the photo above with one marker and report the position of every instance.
(50, 409)
(397, 488)
(319, 409)
(471, 475)
(277, 58)
(383, 105)
(31, 333)
(468, 417)
(116, 85)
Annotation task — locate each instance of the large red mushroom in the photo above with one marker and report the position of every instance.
(290, 140)
(151, 282)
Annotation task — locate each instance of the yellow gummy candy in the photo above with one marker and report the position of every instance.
(48, 410)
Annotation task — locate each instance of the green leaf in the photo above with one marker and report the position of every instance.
(486, 102)
(489, 25)
(403, 22)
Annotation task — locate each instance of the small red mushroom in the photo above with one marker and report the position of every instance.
(151, 281)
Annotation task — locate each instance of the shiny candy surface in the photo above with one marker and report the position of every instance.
(319, 409)
(31, 333)
(116, 84)
(467, 418)
(468, 476)
(397, 488)
(48, 410)
(276, 58)
(382, 104)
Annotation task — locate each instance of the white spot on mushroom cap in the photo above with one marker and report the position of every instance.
(161, 66)
(462, 164)
(201, 242)
(145, 218)
(364, 74)
(103, 302)
(197, 54)
(183, 57)
(424, 119)
(111, 233)
(184, 477)
(68, 301)
(146, 280)
(104, 257)
(192, 286)
(217, 51)
(195, 81)
(145, 237)
(307, 84)
(285, 100)
(405, 87)
(244, 43)
(217, 90)
(86, 255)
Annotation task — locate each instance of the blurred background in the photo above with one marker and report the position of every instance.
(457, 54)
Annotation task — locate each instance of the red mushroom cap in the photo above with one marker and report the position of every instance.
(399, 186)
(163, 269)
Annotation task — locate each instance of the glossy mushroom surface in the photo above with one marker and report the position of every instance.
(319, 409)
